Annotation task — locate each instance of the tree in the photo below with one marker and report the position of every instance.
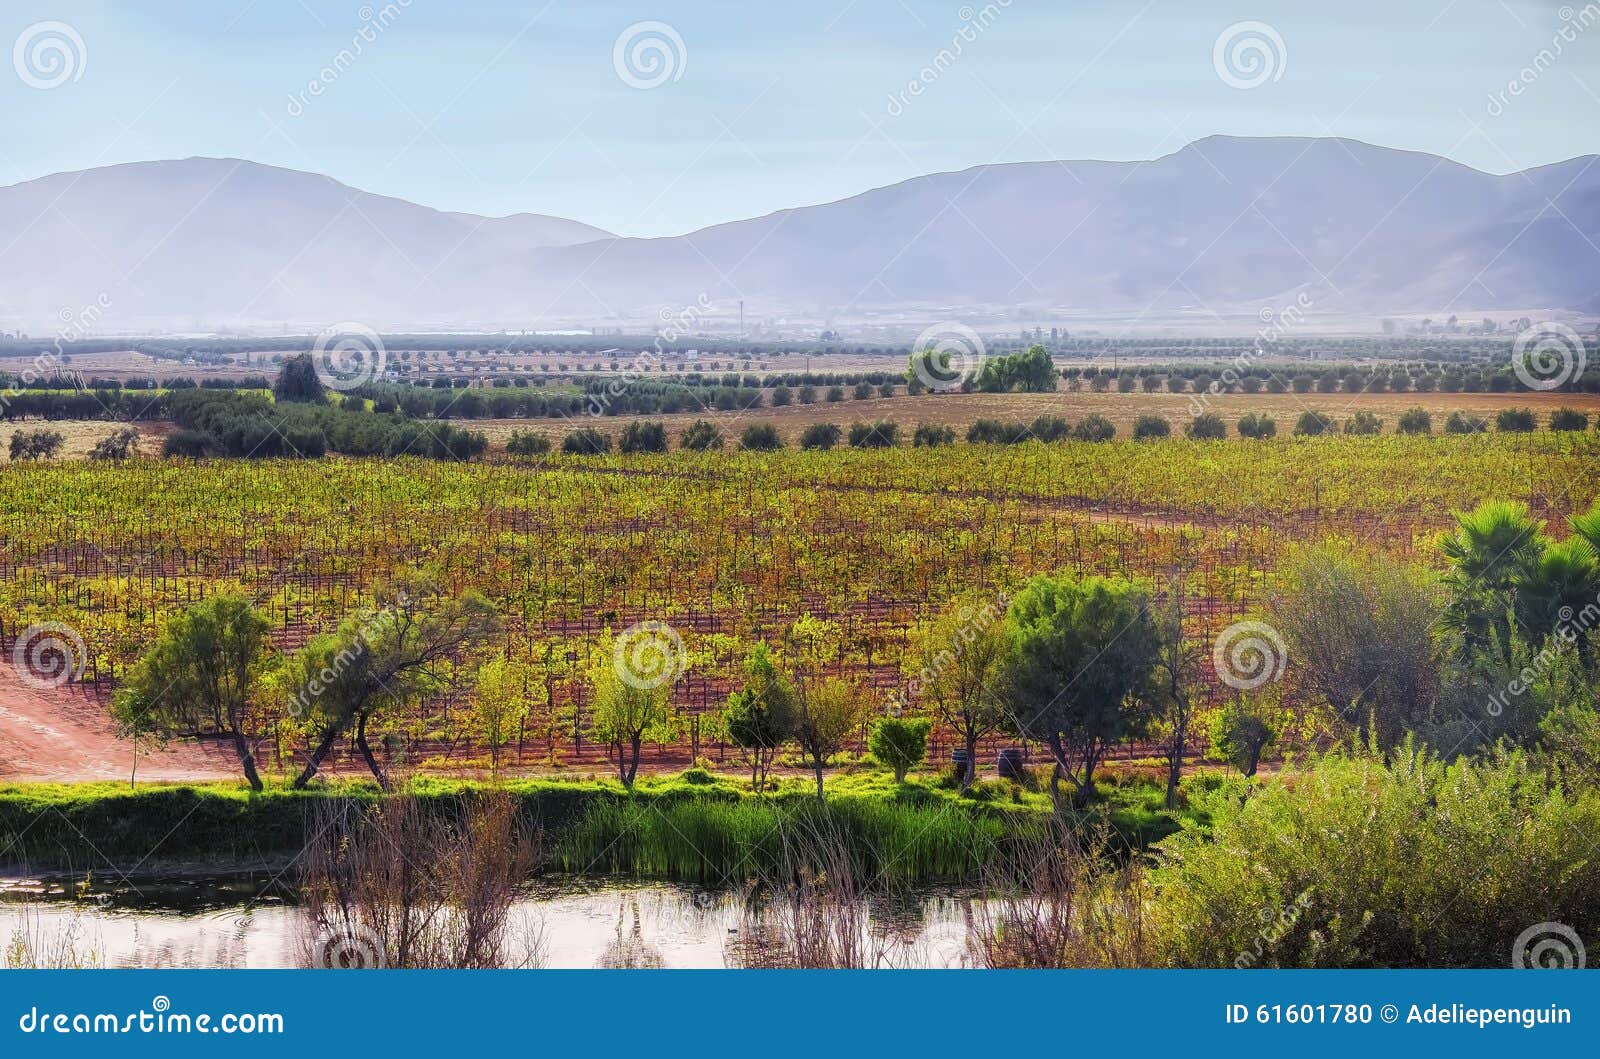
(959, 660)
(1358, 631)
(1078, 669)
(502, 704)
(1554, 585)
(1207, 426)
(119, 446)
(643, 437)
(827, 712)
(627, 708)
(820, 436)
(381, 656)
(700, 436)
(203, 668)
(1177, 673)
(760, 437)
(1243, 729)
(1486, 551)
(298, 381)
(760, 717)
(901, 743)
(36, 444)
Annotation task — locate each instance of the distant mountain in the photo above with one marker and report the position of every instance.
(1223, 224)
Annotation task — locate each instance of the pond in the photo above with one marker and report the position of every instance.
(247, 921)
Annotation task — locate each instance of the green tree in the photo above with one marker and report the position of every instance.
(1486, 551)
(627, 708)
(501, 704)
(900, 742)
(1079, 671)
(958, 663)
(827, 712)
(204, 667)
(760, 717)
(298, 381)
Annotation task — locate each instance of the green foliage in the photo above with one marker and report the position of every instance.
(1151, 426)
(900, 743)
(527, 443)
(820, 436)
(1207, 426)
(1567, 419)
(1415, 421)
(121, 445)
(1312, 424)
(586, 442)
(39, 444)
(1029, 372)
(1242, 729)
(643, 437)
(761, 716)
(930, 435)
(760, 437)
(883, 435)
(1515, 421)
(1462, 423)
(1363, 424)
(298, 381)
(700, 436)
(1259, 427)
(1094, 428)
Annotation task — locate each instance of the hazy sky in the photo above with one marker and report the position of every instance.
(497, 107)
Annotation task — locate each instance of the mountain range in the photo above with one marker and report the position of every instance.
(1224, 224)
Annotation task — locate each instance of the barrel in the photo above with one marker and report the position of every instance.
(958, 761)
(1009, 763)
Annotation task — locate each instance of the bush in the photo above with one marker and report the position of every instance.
(1148, 426)
(586, 442)
(527, 443)
(1312, 424)
(1207, 426)
(760, 437)
(1049, 428)
(1258, 427)
(1461, 423)
(820, 436)
(191, 445)
(700, 436)
(1415, 421)
(1515, 421)
(644, 437)
(1094, 428)
(36, 444)
(931, 436)
(900, 743)
(808, 395)
(781, 396)
(882, 435)
(994, 432)
(1363, 424)
(835, 394)
(1568, 419)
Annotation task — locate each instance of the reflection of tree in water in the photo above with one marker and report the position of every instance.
(629, 951)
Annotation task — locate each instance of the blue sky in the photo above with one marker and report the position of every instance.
(497, 107)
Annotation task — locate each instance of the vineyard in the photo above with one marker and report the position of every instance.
(724, 548)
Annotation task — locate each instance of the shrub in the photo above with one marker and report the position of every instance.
(820, 436)
(1148, 426)
(1094, 428)
(781, 396)
(700, 436)
(900, 743)
(863, 390)
(1415, 421)
(1461, 423)
(644, 437)
(36, 444)
(1312, 424)
(835, 394)
(1049, 428)
(191, 445)
(1568, 419)
(882, 435)
(1515, 421)
(1207, 426)
(586, 442)
(760, 437)
(1364, 424)
(931, 436)
(994, 432)
(808, 395)
(527, 443)
(1256, 426)
(119, 446)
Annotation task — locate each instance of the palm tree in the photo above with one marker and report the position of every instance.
(1486, 552)
(1552, 588)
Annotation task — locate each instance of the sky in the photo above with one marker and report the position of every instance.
(554, 106)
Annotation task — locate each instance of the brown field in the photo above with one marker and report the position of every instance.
(83, 435)
(960, 411)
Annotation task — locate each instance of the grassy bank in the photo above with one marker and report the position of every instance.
(695, 826)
